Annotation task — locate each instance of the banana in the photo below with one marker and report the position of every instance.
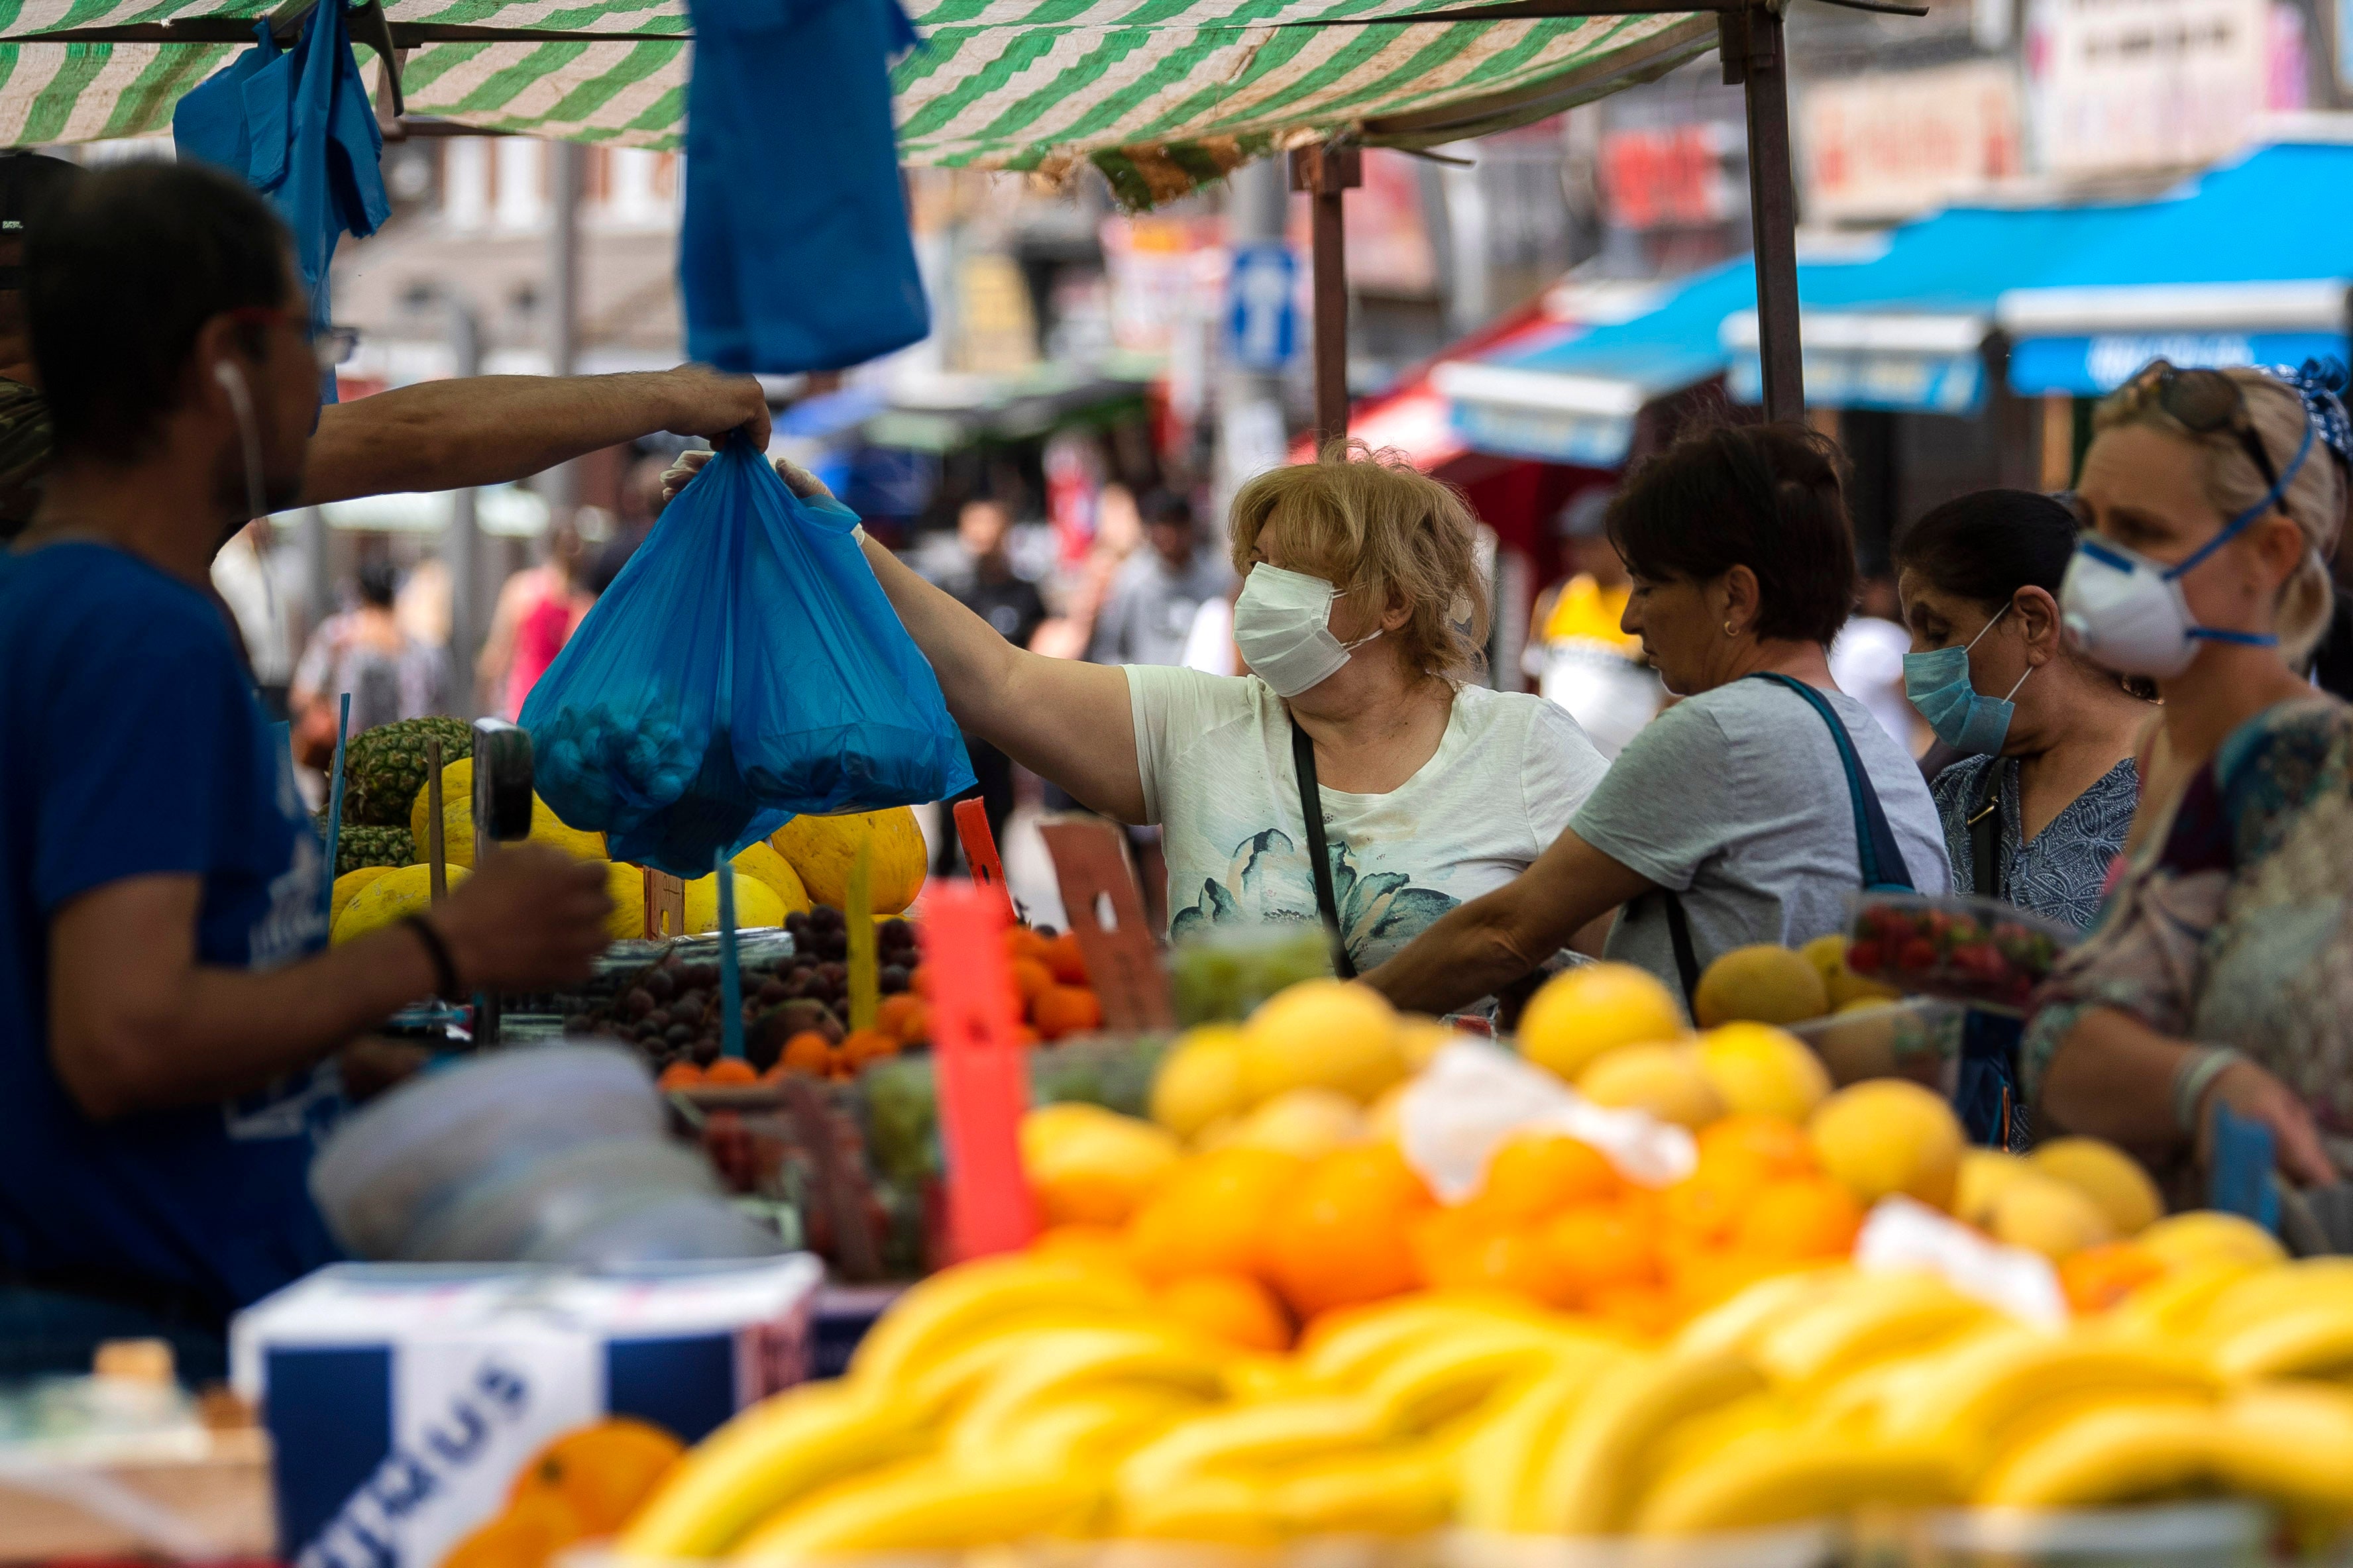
(945, 1385)
(1692, 1444)
(947, 1310)
(1432, 1382)
(924, 1504)
(1254, 1437)
(2175, 1307)
(2304, 1341)
(766, 1459)
(1392, 1492)
(1351, 1352)
(1152, 1357)
(1259, 1379)
(2268, 1292)
(1732, 1325)
(1770, 1478)
(1492, 1466)
(1894, 1314)
(1224, 1510)
(1586, 1485)
(2290, 1442)
(2113, 1453)
(1095, 1427)
(1976, 1400)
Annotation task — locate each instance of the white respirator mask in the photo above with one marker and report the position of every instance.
(1282, 624)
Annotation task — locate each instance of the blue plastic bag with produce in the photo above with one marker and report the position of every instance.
(743, 668)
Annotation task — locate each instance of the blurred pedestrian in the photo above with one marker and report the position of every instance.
(252, 578)
(542, 597)
(1582, 656)
(365, 651)
(986, 584)
(1148, 615)
(1867, 661)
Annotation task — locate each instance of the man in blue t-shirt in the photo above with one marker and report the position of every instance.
(167, 1022)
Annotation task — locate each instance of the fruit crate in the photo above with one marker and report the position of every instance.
(2223, 1533)
(1990, 954)
(1885, 1039)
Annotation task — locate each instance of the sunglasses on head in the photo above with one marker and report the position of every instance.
(2206, 403)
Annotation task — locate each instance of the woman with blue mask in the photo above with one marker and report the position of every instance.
(2222, 971)
(2035, 810)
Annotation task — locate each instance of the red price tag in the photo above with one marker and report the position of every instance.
(1123, 961)
(980, 848)
(983, 1077)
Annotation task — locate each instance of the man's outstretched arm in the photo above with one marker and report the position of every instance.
(489, 429)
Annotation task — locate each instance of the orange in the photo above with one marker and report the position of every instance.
(1210, 1216)
(1604, 1247)
(1703, 1210)
(602, 1472)
(1518, 1261)
(730, 1070)
(808, 1051)
(528, 1534)
(1647, 1309)
(1023, 1035)
(1099, 1245)
(1060, 1010)
(1032, 979)
(1020, 941)
(1751, 1150)
(1234, 1308)
(919, 981)
(863, 1046)
(1703, 1277)
(2097, 1277)
(1800, 1219)
(1537, 1175)
(891, 1014)
(680, 1075)
(1339, 1234)
(1064, 958)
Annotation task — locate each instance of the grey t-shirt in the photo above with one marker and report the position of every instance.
(1734, 799)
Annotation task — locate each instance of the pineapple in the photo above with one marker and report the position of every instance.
(384, 767)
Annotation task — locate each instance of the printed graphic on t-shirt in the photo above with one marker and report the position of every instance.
(1270, 880)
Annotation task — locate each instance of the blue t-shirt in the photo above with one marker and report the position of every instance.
(132, 745)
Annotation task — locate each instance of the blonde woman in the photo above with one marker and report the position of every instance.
(1360, 619)
(2221, 972)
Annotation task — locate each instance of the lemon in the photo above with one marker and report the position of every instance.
(1322, 1034)
(1308, 1122)
(1828, 955)
(1667, 1081)
(1763, 1071)
(1764, 984)
(2108, 1176)
(1200, 1080)
(1581, 1012)
(2044, 1214)
(1088, 1165)
(2208, 1235)
(1889, 1135)
(1984, 1174)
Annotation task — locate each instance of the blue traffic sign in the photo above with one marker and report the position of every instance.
(1261, 314)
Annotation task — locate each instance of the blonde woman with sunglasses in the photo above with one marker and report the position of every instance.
(2221, 972)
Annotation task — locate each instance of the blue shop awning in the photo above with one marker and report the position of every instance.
(2248, 264)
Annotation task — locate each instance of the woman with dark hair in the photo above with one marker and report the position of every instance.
(1751, 809)
(2037, 809)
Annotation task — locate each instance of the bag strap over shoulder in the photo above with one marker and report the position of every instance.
(1311, 806)
(1882, 858)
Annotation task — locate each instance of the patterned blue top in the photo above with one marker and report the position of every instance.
(2059, 876)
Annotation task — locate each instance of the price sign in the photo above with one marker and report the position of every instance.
(983, 1077)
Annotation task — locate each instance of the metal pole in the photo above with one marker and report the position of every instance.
(461, 549)
(561, 483)
(1252, 433)
(1754, 45)
(1324, 172)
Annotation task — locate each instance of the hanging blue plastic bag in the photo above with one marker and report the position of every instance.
(297, 126)
(743, 668)
(794, 253)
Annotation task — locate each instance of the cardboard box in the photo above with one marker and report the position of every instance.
(402, 1399)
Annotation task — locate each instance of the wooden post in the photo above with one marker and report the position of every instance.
(1323, 172)
(1757, 57)
(665, 905)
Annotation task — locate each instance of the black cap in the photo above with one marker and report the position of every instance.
(26, 180)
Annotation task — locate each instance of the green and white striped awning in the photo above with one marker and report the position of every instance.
(1162, 94)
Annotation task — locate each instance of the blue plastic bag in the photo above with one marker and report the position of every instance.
(743, 668)
(297, 126)
(794, 253)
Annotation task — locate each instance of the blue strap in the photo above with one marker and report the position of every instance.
(1883, 870)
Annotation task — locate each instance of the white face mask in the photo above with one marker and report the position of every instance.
(2128, 614)
(1282, 624)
